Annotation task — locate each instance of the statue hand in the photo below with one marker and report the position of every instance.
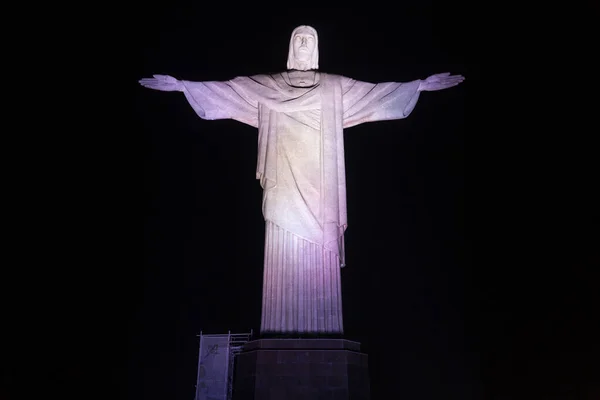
(440, 81)
(165, 83)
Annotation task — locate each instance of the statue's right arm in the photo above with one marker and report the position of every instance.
(165, 83)
(210, 99)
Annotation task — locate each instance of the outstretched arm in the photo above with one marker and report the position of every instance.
(166, 83)
(439, 82)
(210, 99)
(368, 102)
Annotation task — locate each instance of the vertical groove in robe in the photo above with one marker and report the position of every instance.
(265, 289)
(278, 282)
(331, 311)
(280, 323)
(323, 273)
(293, 277)
(296, 277)
(263, 315)
(319, 286)
(340, 308)
(268, 284)
(273, 288)
(313, 289)
(301, 288)
(336, 303)
(328, 299)
(288, 285)
(284, 281)
(308, 304)
(338, 300)
(332, 291)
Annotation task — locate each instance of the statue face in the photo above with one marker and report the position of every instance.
(303, 53)
(304, 45)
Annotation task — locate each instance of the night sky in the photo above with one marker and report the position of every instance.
(448, 286)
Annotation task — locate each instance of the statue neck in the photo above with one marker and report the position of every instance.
(302, 78)
(302, 65)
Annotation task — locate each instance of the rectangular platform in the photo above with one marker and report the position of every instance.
(299, 369)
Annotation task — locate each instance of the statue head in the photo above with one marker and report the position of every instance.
(304, 49)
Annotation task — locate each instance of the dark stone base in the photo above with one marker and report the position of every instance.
(299, 369)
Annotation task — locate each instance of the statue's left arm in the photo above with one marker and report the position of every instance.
(369, 102)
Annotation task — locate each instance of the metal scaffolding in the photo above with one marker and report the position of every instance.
(216, 364)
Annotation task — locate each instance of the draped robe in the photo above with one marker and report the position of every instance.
(300, 165)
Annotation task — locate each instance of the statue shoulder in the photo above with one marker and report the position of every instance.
(259, 77)
(268, 80)
(336, 78)
(339, 80)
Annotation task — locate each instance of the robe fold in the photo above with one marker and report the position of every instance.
(300, 165)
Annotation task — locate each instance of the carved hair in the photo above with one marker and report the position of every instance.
(314, 58)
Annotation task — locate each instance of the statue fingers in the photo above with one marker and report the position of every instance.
(165, 78)
(453, 79)
(147, 81)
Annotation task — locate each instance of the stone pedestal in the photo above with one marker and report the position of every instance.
(299, 369)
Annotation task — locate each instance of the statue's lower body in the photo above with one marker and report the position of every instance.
(301, 287)
(299, 355)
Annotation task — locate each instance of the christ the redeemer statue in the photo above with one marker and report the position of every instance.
(300, 115)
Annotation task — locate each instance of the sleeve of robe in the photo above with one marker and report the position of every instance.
(221, 100)
(369, 102)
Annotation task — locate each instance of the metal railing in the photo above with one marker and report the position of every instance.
(236, 343)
